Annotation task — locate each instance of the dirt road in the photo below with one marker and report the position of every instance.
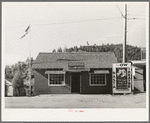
(78, 101)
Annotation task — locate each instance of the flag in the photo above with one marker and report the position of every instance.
(26, 32)
(23, 36)
(87, 43)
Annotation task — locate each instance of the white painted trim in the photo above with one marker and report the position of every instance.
(132, 79)
(101, 71)
(97, 84)
(48, 80)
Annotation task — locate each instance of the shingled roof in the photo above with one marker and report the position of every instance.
(61, 60)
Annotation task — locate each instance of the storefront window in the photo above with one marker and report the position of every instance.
(97, 79)
(56, 80)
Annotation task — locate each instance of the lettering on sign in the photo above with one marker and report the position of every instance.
(122, 65)
(76, 65)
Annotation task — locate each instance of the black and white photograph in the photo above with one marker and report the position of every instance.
(75, 61)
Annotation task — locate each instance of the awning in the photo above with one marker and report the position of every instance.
(54, 72)
(139, 63)
(101, 71)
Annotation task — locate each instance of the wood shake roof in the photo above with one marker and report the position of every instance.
(61, 60)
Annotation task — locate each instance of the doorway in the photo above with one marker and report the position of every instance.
(75, 82)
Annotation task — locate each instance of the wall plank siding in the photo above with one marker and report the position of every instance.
(41, 84)
(86, 88)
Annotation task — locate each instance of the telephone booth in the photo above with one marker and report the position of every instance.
(121, 78)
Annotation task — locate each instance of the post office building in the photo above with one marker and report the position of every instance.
(64, 73)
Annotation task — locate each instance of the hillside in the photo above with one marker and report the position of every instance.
(133, 52)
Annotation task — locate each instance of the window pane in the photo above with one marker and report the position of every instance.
(56, 79)
(98, 79)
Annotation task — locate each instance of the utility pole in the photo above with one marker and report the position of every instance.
(125, 38)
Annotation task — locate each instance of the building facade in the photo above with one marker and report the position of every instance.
(64, 73)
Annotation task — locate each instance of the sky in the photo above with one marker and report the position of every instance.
(62, 24)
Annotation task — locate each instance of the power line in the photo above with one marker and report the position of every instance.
(136, 19)
(120, 11)
(71, 22)
(79, 21)
(131, 14)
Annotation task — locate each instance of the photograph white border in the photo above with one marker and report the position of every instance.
(110, 114)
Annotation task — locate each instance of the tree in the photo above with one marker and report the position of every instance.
(75, 48)
(17, 80)
(14, 69)
(59, 50)
(66, 50)
(28, 60)
(133, 52)
(8, 72)
(54, 51)
(18, 74)
(71, 49)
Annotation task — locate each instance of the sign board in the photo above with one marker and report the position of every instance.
(121, 78)
(76, 65)
(133, 71)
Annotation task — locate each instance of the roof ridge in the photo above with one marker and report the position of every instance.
(73, 52)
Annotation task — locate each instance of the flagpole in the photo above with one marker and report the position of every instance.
(29, 73)
(30, 64)
(27, 33)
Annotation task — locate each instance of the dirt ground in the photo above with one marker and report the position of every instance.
(78, 101)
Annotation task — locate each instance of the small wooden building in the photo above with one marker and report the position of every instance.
(139, 76)
(8, 88)
(63, 73)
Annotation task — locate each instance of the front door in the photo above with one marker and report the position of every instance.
(75, 82)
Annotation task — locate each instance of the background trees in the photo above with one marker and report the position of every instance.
(18, 74)
(59, 49)
(54, 51)
(8, 72)
(133, 52)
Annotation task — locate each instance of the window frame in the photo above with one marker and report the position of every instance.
(55, 84)
(97, 84)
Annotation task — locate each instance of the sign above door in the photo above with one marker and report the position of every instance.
(76, 65)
